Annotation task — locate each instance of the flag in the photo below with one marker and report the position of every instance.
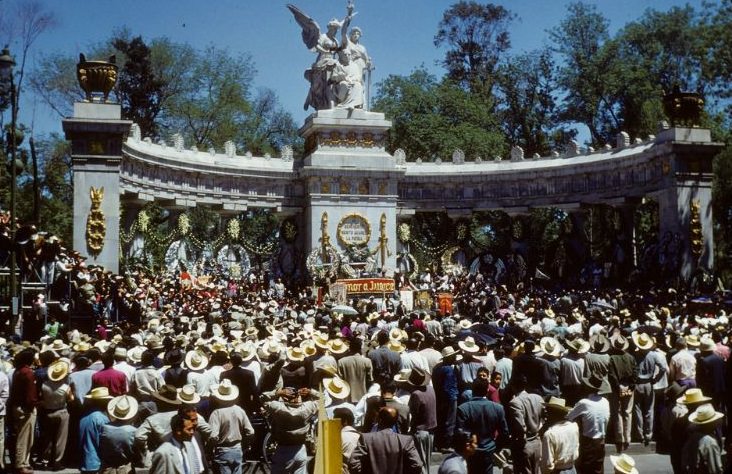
(539, 275)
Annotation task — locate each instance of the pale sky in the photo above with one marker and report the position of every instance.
(397, 33)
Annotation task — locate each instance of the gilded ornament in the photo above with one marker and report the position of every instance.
(233, 228)
(363, 187)
(96, 77)
(695, 229)
(143, 220)
(405, 233)
(184, 225)
(353, 230)
(95, 225)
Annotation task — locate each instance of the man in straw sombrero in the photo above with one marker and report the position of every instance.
(290, 411)
(560, 441)
(243, 379)
(621, 376)
(701, 451)
(593, 413)
(90, 428)
(116, 441)
(422, 409)
(230, 427)
(652, 367)
(485, 419)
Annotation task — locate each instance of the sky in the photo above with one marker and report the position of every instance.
(397, 33)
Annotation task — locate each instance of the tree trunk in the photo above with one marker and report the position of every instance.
(36, 185)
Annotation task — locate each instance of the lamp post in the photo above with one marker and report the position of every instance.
(6, 72)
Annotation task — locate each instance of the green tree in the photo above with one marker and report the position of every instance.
(269, 127)
(432, 119)
(476, 37)
(589, 75)
(525, 87)
(214, 105)
(139, 90)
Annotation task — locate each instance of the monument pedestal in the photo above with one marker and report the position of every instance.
(351, 182)
(96, 132)
(686, 233)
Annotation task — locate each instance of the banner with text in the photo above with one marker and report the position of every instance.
(368, 285)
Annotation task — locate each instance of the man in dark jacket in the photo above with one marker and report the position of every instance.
(385, 452)
(245, 382)
(710, 373)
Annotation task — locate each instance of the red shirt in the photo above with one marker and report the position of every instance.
(23, 390)
(115, 380)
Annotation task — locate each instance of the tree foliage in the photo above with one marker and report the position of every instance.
(476, 37)
(431, 119)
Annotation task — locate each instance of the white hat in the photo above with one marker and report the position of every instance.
(225, 391)
(58, 371)
(705, 414)
(187, 394)
(468, 345)
(195, 360)
(337, 388)
(624, 464)
(123, 407)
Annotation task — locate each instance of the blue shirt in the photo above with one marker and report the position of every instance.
(445, 381)
(484, 418)
(90, 430)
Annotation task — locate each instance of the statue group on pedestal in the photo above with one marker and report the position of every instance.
(340, 75)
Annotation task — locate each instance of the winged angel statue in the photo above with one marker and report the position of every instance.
(337, 75)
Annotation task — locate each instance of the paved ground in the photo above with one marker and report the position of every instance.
(646, 460)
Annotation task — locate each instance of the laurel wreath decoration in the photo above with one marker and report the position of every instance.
(184, 224)
(233, 228)
(405, 232)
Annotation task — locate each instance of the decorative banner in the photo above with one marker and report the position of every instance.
(444, 302)
(354, 229)
(368, 285)
(407, 299)
(423, 300)
(338, 293)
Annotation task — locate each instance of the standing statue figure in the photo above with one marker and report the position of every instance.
(351, 91)
(337, 75)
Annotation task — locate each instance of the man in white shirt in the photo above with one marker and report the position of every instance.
(593, 413)
(560, 442)
(120, 363)
(682, 368)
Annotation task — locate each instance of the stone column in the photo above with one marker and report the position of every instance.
(96, 132)
(685, 202)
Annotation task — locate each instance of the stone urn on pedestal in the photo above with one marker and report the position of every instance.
(683, 109)
(96, 78)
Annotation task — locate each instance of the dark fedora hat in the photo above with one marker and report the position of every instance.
(593, 382)
(167, 394)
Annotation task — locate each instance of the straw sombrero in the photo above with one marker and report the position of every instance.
(225, 391)
(123, 407)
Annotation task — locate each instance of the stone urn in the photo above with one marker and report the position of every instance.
(96, 77)
(683, 108)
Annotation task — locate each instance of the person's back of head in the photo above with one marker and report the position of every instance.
(386, 418)
(388, 387)
(147, 358)
(356, 345)
(382, 338)
(236, 359)
(108, 358)
(345, 415)
(480, 387)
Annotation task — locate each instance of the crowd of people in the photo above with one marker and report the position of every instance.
(184, 374)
